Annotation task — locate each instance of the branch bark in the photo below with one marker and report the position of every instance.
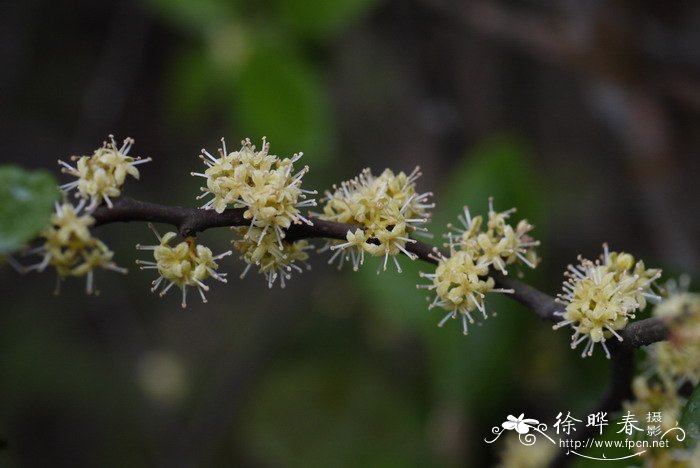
(190, 221)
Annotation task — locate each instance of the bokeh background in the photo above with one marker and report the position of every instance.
(584, 115)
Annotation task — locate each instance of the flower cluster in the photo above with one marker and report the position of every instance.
(70, 247)
(185, 264)
(461, 279)
(669, 367)
(387, 210)
(653, 396)
(677, 361)
(265, 185)
(601, 297)
(102, 175)
(270, 192)
(497, 244)
(275, 259)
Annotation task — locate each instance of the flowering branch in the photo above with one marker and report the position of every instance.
(260, 196)
(190, 221)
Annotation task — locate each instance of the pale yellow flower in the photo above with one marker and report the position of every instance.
(102, 175)
(677, 361)
(461, 279)
(265, 185)
(499, 245)
(669, 367)
(275, 260)
(461, 283)
(185, 264)
(70, 247)
(655, 397)
(386, 208)
(601, 298)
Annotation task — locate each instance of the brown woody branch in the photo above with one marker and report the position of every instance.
(190, 221)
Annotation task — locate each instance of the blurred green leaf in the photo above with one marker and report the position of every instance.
(320, 18)
(26, 200)
(58, 375)
(690, 420)
(500, 167)
(332, 412)
(279, 95)
(395, 294)
(196, 16)
(191, 86)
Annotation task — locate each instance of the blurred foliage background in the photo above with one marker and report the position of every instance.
(584, 115)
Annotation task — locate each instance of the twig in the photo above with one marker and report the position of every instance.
(190, 221)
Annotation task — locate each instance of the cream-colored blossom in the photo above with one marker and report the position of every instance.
(668, 368)
(601, 297)
(102, 175)
(652, 396)
(185, 264)
(274, 259)
(677, 361)
(354, 249)
(387, 210)
(70, 247)
(499, 244)
(461, 279)
(461, 283)
(265, 185)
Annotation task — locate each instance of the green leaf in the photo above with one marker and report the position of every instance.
(191, 87)
(499, 167)
(332, 412)
(26, 200)
(321, 18)
(691, 416)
